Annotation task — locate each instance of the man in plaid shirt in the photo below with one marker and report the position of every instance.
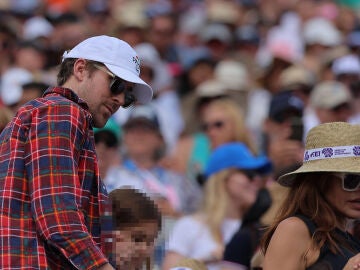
(52, 198)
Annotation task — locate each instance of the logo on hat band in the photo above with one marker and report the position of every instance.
(332, 152)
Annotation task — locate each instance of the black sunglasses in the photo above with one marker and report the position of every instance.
(118, 86)
(251, 174)
(351, 182)
(216, 124)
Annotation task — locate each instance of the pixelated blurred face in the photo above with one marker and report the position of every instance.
(217, 126)
(134, 245)
(242, 189)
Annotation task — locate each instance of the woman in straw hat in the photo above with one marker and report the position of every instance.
(310, 230)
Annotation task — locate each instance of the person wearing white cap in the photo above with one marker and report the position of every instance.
(54, 204)
(331, 101)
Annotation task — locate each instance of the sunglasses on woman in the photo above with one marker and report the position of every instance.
(251, 174)
(118, 86)
(216, 124)
(350, 182)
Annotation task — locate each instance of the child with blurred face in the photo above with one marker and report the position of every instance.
(137, 222)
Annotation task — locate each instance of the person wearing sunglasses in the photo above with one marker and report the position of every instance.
(311, 230)
(231, 187)
(53, 201)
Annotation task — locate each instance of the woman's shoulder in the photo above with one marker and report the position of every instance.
(293, 225)
(292, 231)
(289, 245)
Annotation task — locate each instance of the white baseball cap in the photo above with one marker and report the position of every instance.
(321, 31)
(37, 27)
(11, 85)
(348, 64)
(329, 94)
(118, 57)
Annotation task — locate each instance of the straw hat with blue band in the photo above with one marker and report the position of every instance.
(329, 147)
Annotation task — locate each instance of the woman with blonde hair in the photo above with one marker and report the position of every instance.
(221, 121)
(229, 191)
(311, 230)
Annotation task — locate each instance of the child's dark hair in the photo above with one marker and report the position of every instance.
(131, 207)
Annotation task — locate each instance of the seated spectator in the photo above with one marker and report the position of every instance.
(221, 121)
(136, 221)
(331, 101)
(229, 191)
(347, 69)
(143, 147)
(311, 228)
(283, 144)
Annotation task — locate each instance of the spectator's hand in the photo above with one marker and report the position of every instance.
(285, 153)
(165, 207)
(353, 263)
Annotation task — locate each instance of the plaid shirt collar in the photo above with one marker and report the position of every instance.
(67, 93)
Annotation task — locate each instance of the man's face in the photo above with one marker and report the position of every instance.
(340, 113)
(102, 102)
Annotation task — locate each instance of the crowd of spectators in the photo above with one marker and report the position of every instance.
(257, 72)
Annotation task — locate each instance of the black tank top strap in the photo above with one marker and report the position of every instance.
(328, 260)
(309, 223)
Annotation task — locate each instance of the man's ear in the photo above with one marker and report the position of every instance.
(79, 70)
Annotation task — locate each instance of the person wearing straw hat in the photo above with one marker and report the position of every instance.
(311, 227)
(54, 203)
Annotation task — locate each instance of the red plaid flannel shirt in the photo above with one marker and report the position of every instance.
(51, 195)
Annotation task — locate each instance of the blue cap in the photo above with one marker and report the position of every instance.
(235, 155)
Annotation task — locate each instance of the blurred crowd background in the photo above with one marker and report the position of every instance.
(258, 72)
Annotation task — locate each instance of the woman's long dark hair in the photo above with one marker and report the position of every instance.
(307, 197)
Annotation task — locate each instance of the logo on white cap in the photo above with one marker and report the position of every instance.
(136, 60)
